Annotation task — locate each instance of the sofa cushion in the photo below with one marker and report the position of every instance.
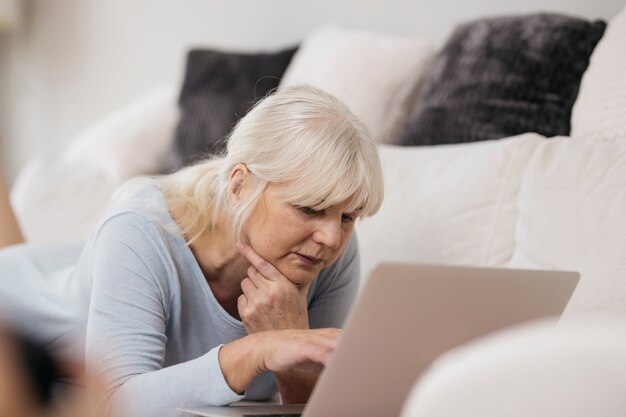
(450, 204)
(74, 188)
(58, 201)
(370, 72)
(503, 76)
(600, 110)
(219, 88)
(133, 140)
(572, 216)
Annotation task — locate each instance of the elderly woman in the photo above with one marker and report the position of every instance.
(225, 280)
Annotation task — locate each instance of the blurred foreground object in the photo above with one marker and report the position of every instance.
(10, 233)
(33, 383)
(10, 15)
(539, 370)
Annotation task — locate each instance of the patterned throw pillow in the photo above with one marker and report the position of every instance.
(500, 77)
(218, 90)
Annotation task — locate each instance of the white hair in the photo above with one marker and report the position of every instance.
(299, 135)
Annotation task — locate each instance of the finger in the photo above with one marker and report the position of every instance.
(247, 286)
(255, 276)
(328, 347)
(319, 352)
(264, 267)
(329, 336)
(242, 303)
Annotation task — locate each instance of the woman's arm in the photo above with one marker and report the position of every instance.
(296, 352)
(126, 329)
(295, 387)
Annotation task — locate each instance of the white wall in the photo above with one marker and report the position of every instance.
(72, 61)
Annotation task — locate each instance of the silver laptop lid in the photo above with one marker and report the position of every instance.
(408, 315)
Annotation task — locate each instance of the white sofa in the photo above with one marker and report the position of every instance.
(524, 201)
(578, 370)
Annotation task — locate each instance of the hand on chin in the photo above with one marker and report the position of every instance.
(270, 300)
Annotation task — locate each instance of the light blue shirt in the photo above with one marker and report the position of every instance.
(153, 326)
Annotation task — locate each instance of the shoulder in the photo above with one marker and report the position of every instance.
(142, 215)
(137, 235)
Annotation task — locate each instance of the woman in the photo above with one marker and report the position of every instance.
(228, 279)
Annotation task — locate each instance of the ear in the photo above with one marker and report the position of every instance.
(238, 182)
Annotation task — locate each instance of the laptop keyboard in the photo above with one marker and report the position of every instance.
(272, 415)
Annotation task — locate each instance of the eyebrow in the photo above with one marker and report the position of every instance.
(358, 209)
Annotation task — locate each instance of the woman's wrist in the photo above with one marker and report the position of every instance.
(296, 387)
(241, 361)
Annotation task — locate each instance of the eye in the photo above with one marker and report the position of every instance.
(308, 210)
(347, 218)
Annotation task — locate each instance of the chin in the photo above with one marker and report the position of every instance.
(299, 275)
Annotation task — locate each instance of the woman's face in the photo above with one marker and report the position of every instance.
(297, 240)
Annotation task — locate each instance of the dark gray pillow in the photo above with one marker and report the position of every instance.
(219, 88)
(500, 77)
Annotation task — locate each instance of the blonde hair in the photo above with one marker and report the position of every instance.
(299, 135)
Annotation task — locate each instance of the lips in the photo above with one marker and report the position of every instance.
(309, 260)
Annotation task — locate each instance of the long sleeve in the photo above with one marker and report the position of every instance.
(127, 327)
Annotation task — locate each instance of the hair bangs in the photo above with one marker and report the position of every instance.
(325, 182)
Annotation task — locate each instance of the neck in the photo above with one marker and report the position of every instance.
(219, 261)
(223, 267)
(222, 270)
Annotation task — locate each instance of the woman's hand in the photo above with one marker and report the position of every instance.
(270, 301)
(299, 350)
(306, 351)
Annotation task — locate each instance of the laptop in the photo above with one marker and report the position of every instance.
(403, 319)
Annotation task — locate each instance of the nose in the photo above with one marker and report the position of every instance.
(328, 232)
